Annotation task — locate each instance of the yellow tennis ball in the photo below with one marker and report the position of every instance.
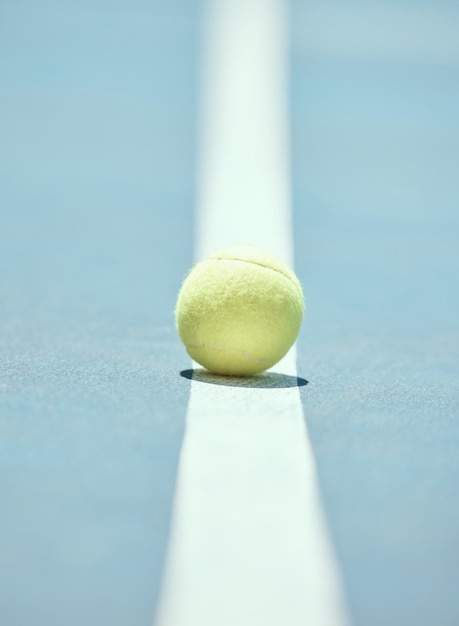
(239, 312)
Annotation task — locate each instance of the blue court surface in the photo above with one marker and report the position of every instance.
(99, 103)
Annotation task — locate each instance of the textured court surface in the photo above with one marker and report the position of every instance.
(98, 104)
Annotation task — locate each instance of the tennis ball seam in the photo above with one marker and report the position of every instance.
(222, 349)
(266, 267)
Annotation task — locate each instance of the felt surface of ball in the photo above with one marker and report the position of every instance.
(239, 312)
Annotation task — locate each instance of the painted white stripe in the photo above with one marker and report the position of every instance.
(249, 545)
(243, 191)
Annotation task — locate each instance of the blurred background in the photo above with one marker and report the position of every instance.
(98, 135)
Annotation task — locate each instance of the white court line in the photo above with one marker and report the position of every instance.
(244, 187)
(249, 544)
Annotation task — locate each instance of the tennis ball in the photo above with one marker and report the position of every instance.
(239, 312)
